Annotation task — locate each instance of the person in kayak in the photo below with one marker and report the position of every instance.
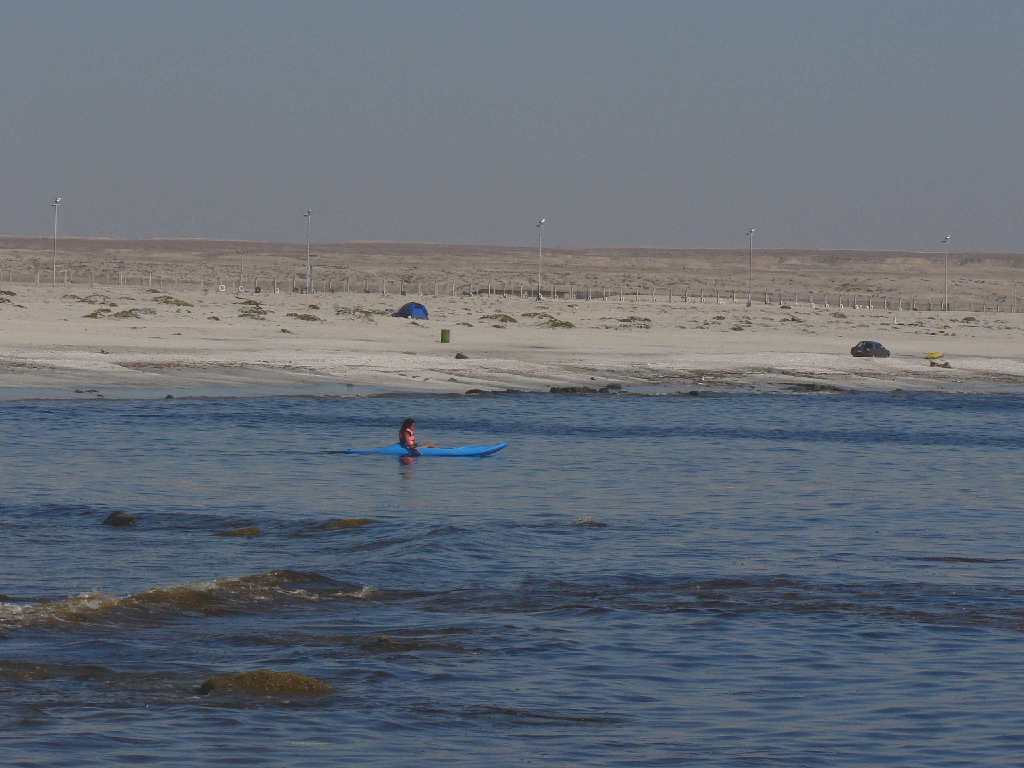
(407, 437)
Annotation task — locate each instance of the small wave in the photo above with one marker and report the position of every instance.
(919, 603)
(175, 685)
(518, 715)
(365, 592)
(201, 598)
(960, 559)
(392, 642)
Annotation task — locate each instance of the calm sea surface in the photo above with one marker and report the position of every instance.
(634, 581)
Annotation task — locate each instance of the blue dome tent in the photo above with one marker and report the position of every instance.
(412, 309)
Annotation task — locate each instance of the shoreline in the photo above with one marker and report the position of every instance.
(164, 379)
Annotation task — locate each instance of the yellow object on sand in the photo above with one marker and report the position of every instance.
(933, 355)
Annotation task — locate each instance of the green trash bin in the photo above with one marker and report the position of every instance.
(446, 335)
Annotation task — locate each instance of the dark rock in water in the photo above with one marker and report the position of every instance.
(474, 392)
(168, 397)
(613, 387)
(266, 682)
(694, 393)
(240, 533)
(460, 356)
(120, 519)
(343, 523)
(588, 522)
(23, 671)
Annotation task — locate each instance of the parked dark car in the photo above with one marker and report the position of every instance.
(869, 349)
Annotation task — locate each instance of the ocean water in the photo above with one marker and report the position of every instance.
(635, 581)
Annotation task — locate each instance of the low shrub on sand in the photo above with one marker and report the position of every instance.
(554, 322)
(252, 310)
(92, 298)
(501, 317)
(359, 313)
(172, 302)
(135, 313)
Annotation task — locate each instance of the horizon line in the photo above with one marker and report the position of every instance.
(328, 243)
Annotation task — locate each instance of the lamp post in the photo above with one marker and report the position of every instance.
(309, 269)
(540, 253)
(945, 272)
(58, 201)
(750, 262)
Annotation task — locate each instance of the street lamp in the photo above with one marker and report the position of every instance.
(58, 201)
(750, 262)
(540, 253)
(945, 272)
(309, 269)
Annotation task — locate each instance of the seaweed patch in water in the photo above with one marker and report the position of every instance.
(266, 682)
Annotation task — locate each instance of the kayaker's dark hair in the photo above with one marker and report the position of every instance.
(401, 432)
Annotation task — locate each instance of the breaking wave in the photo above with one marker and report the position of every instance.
(218, 597)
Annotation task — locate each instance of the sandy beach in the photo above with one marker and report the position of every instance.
(149, 316)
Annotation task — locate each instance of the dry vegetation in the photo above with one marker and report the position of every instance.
(167, 265)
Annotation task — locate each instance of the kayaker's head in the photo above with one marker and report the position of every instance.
(408, 424)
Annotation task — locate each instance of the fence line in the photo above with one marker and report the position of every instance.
(623, 293)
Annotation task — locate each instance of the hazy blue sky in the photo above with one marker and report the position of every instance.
(825, 123)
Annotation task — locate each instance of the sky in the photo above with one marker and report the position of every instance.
(857, 124)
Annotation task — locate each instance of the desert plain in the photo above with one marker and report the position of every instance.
(108, 317)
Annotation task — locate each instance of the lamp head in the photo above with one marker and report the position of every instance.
(946, 238)
(541, 222)
(751, 231)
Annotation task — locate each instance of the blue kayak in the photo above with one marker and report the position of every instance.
(398, 450)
